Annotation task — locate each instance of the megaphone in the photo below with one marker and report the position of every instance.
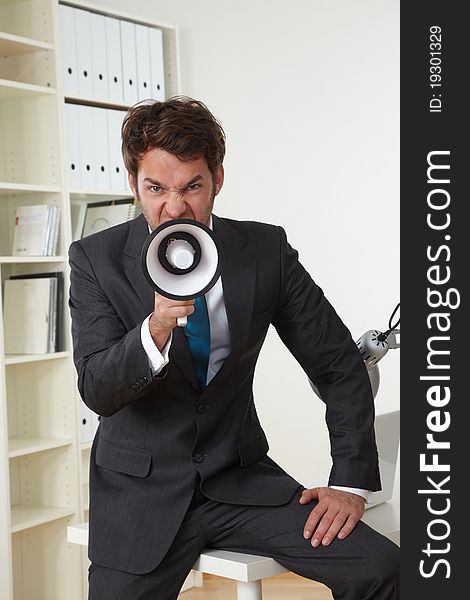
(181, 260)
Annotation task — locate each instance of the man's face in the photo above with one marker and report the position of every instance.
(169, 188)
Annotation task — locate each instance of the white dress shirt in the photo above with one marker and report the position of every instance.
(220, 336)
(220, 349)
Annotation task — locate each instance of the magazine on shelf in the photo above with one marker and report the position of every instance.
(33, 313)
(36, 230)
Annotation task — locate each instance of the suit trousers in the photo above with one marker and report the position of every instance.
(363, 566)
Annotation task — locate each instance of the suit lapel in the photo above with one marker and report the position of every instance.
(138, 233)
(238, 283)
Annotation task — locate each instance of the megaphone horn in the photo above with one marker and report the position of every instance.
(181, 260)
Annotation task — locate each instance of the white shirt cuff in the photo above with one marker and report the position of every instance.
(366, 494)
(157, 359)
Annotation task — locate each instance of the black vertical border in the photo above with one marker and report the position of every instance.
(423, 131)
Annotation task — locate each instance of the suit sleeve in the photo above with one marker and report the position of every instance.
(321, 343)
(112, 366)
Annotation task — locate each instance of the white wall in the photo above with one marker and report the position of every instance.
(308, 93)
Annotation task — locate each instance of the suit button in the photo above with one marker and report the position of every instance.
(198, 458)
(201, 409)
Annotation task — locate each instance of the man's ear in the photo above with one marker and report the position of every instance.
(219, 179)
(132, 184)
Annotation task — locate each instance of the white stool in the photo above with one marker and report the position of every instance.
(247, 569)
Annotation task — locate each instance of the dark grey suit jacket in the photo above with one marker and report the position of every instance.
(157, 434)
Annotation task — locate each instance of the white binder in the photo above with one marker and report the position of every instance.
(142, 45)
(27, 315)
(101, 152)
(87, 147)
(156, 63)
(77, 217)
(69, 50)
(84, 53)
(118, 173)
(129, 62)
(98, 45)
(113, 54)
(72, 131)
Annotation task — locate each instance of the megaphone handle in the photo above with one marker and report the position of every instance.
(182, 321)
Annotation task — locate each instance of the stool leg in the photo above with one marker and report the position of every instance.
(250, 590)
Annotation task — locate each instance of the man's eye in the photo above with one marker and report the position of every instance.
(156, 189)
(193, 187)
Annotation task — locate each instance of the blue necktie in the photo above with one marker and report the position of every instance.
(198, 335)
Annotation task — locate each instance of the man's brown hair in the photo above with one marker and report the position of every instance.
(181, 125)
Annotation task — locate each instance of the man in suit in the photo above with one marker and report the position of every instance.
(179, 463)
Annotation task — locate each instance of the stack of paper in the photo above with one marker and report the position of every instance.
(36, 230)
(33, 308)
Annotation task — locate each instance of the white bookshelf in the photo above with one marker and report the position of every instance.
(43, 463)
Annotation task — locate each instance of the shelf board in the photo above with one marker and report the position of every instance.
(117, 14)
(17, 359)
(17, 260)
(19, 446)
(77, 194)
(24, 446)
(16, 89)
(25, 517)
(11, 45)
(97, 102)
(7, 188)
